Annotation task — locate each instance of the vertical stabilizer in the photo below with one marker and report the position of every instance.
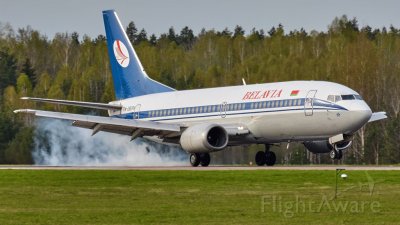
(130, 79)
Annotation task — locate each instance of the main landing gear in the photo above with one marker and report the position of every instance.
(336, 154)
(265, 158)
(202, 159)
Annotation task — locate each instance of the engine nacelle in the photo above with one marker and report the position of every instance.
(204, 138)
(324, 146)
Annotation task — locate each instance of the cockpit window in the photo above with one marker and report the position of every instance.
(336, 98)
(348, 97)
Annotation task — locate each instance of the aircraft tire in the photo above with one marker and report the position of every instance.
(194, 159)
(339, 155)
(261, 158)
(333, 154)
(270, 158)
(205, 159)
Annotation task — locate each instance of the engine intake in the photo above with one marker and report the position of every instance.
(202, 138)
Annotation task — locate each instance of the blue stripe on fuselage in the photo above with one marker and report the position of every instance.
(231, 109)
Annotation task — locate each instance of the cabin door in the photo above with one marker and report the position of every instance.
(223, 109)
(309, 103)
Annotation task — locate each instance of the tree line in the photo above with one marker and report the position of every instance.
(69, 67)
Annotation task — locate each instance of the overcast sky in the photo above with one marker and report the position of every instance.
(156, 16)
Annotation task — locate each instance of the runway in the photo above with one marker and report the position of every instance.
(189, 168)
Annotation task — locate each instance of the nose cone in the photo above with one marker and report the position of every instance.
(359, 114)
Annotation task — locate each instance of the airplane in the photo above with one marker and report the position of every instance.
(322, 115)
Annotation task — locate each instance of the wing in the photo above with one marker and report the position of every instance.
(377, 116)
(133, 128)
(76, 103)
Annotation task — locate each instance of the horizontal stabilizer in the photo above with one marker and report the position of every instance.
(94, 105)
(377, 116)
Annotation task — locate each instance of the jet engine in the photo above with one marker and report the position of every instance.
(324, 146)
(203, 138)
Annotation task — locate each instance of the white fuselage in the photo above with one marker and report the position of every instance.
(272, 112)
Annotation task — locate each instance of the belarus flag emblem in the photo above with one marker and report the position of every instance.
(294, 93)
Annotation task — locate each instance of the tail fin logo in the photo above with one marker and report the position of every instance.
(121, 53)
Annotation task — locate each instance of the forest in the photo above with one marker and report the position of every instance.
(72, 67)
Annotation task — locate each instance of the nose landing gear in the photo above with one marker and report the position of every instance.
(336, 154)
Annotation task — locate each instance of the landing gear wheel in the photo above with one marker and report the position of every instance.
(339, 155)
(336, 154)
(194, 159)
(261, 158)
(205, 159)
(333, 154)
(270, 158)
